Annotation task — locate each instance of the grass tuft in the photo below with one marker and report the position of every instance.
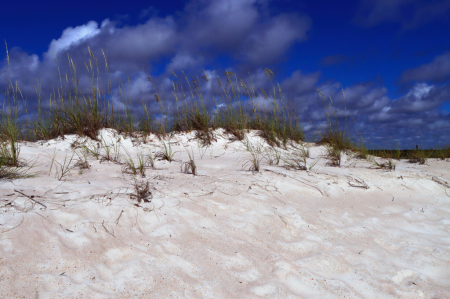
(62, 168)
(419, 156)
(82, 162)
(189, 167)
(132, 168)
(167, 153)
(111, 149)
(253, 161)
(334, 155)
(8, 169)
(272, 155)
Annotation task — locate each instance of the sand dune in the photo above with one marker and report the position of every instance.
(331, 232)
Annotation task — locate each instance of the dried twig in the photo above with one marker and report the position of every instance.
(31, 197)
(13, 227)
(107, 231)
(441, 182)
(360, 183)
(118, 218)
(323, 192)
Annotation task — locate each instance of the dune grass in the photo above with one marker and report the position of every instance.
(297, 159)
(272, 155)
(167, 153)
(111, 148)
(73, 108)
(189, 167)
(336, 136)
(133, 168)
(252, 162)
(69, 109)
(63, 168)
(82, 162)
(9, 169)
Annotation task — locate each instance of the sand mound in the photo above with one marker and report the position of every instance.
(331, 232)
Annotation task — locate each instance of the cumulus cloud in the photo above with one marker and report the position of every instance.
(422, 97)
(410, 13)
(269, 42)
(437, 71)
(369, 111)
(301, 83)
(72, 36)
(183, 61)
(240, 29)
(142, 42)
(220, 24)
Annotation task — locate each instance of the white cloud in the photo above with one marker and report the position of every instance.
(72, 36)
(33, 66)
(182, 61)
(420, 90)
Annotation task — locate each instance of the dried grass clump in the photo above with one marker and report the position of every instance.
(189, 167)
(82, 162)
(298, 158)
(420, 156)
(142, 191)
(389, 165)
(334, 156)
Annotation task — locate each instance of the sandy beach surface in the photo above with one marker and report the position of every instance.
(332, 232)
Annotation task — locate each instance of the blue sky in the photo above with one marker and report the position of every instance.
(391, 57)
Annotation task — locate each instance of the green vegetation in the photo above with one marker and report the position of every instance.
(238, 107)
(167, 153)
(132, 168)
(8, 168)
(189, 167)
(62, 168)
(253, 161)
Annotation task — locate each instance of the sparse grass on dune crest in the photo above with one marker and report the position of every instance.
(71, 110)
(419, 156)
(338, 140)
(233, 105)
(336, 136)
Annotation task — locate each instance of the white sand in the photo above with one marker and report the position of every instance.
(226, 233)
